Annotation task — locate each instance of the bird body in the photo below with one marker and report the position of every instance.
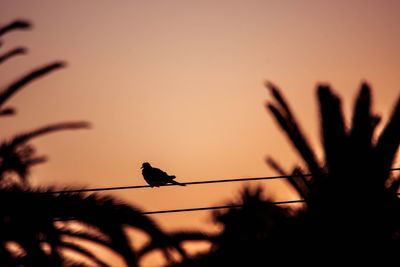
(156, 177)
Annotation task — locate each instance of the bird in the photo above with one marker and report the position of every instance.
(156, 177)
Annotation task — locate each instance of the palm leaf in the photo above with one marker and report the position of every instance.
(293, 178)
(388, 142)
(12, 53)
(8, 111)
(85, 252)
(22, 138)
(276, 166)
(362, 122)
(174, 238)
(333, 129)
(18, 157)
(42, 209)
(15, 25)
(87, 236)
(6, 93)
(279, 98)
(286, 120)
(300, 182)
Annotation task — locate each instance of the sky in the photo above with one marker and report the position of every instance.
(180, 84)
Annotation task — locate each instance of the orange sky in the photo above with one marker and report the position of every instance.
(180, 84)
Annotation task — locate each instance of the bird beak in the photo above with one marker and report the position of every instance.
(141, 167)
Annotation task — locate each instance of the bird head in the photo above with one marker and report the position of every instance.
(145, 165)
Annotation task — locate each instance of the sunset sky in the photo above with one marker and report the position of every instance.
(180, 84)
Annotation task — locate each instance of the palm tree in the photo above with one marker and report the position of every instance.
(42, 224)
(18, 156)
(248, 228)
(352, 195)
(351, 199)
(37, 226)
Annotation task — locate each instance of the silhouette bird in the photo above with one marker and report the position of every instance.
(157, 177)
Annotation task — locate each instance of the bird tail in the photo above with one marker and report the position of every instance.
(176, 183)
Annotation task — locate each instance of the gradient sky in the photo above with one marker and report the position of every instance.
(180, 84)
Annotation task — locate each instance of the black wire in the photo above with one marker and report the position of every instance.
(189, 183)
(200, 209)
(217, 207)
(199, 182)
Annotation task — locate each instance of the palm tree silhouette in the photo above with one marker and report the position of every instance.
(352, 193)
(39, 223)
(18, 156)
(37, 226)
(351, 199)
(247, 231)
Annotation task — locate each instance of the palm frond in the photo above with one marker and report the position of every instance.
(286, 120)
(87, 236)
(12, 53)
(300, 183)
(7, 111)
(174, 241)
(292, 178)
(18, 157)
(73, 263)
(362, 117)
(92, 210)
(22, 138)
(97, 210)
(388, 142)
(84, 252)
(15, 25)
(333, 128)
(34, 252)
(6, 93)
(276, 166)
(362, 129)
(279, 98)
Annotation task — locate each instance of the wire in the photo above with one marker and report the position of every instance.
(189, 183)
(200, 209)
(199, 182)
(217, 207)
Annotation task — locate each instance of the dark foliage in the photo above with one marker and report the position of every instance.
(352, 212)
(37, 227)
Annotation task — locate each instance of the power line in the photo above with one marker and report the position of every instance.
(198, 182)
(188, 183)
(217, 207)
(202, 208)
